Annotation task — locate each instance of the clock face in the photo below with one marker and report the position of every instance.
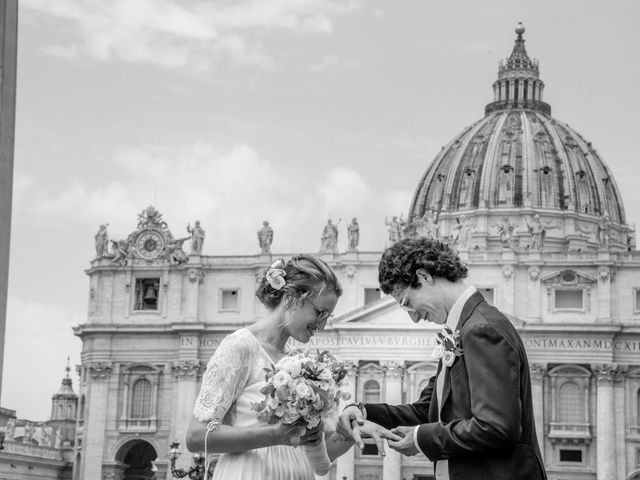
(149, 244)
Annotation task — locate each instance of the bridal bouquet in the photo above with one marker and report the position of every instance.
(304, 388)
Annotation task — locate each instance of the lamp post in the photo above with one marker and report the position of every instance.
(196, 472)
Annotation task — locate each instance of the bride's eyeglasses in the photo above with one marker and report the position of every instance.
(322, 314)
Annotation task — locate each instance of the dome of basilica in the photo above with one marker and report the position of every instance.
(518, 158)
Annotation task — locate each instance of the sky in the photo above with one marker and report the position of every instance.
(232, 112)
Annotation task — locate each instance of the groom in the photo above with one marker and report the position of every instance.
(475, 417)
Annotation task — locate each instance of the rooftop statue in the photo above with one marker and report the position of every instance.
(102, 242)
(353, 235)
(265, 237)
(197, 237)
(329, 239)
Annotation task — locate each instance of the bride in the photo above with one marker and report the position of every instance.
(300, 296)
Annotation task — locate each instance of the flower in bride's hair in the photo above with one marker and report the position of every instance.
(275, 275)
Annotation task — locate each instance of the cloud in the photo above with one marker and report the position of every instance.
(171, 34)
(231, 191)
(41, 333)
(328, 62)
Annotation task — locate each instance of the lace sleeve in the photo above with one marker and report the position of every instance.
(224, 379)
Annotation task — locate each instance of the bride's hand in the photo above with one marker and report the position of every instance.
(312, 435)
(286, 434)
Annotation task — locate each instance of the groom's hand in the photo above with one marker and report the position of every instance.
(372, 430)
(405, 445)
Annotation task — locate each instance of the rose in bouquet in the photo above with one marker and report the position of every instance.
(305, 388)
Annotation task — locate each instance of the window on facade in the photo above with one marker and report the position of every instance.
(147, 292)
(82, 401)
(571, 406)
(636, 308)
(370, 449)
(229, 300)
(568, 299)
(487, 293)
(567, 455)
(371, 392)
(638, 407)
(371, 295)
(141, 399)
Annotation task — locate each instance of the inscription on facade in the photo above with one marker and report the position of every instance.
(567, 344)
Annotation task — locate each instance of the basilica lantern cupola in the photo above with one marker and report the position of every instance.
(518, 84)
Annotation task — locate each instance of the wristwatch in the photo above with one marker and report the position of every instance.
(359, 406)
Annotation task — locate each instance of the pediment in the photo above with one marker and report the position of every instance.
(568, 277)
(384, 313)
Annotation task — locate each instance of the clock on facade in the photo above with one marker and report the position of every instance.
(149, 243)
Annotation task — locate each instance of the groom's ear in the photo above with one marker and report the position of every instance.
(424, 276)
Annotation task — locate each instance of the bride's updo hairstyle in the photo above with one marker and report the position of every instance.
(301, 277)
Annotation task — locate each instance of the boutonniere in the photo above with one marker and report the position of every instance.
(447, 346)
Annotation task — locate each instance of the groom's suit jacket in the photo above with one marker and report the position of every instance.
(486, 428)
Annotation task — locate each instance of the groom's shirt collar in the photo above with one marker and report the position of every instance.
(456, 310)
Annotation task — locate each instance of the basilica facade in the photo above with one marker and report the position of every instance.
(531, 207)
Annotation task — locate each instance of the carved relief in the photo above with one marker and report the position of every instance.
(350, 271)
(188, 368)
(538, 371)
(534, 273)
(393, 369)
(195, 275)
(604, 373)
(99, 370)
(604, 273)
(507, 271)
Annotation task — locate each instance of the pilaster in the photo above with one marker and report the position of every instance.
(392, 463)
(538, 373)
(346, 463)
(98, 377)
(605, 420)
(187, 374)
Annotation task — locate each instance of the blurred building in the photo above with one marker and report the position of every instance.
(41, 449)
(530, 205)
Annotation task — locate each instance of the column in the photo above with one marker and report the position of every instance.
(605, 422)
(346, 463)
(536, 90)
(512, 90)
(538, 372)
(520, 90)
(95, 422)
(392, 463)
(619, 388)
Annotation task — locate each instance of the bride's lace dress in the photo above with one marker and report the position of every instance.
(231, 383)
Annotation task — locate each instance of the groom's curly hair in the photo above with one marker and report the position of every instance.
(400, 262)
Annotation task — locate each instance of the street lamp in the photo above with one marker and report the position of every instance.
(196, 472)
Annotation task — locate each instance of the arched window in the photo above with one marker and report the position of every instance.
(571, 405)
(141, 399)
(60, 410)
(371, 392)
